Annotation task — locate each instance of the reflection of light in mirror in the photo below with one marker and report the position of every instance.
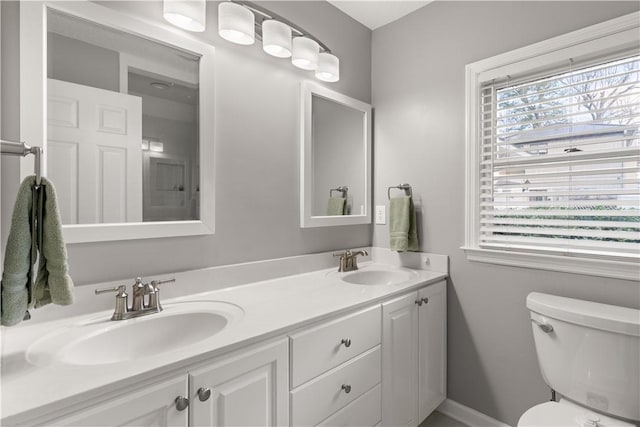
(156, 146)
(145, 144)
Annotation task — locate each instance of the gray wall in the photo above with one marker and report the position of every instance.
(256, 132)
(98, 67)
(418, 93)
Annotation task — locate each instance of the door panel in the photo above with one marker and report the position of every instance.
(399, 359)
(106, 128)
(248, 389)
(432, 365)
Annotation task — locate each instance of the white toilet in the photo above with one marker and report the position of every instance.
(589, 353)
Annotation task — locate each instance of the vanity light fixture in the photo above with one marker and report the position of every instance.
(305, 53)
(328, 68)
(276, 38)
(242, 22)
(187, 14)
(236, 23)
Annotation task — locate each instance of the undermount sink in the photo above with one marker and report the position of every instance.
(102, 341)
(378, 275)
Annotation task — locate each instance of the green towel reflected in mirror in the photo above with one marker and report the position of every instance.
(336, 206)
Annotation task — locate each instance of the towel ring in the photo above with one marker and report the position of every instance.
(343, 189)
(406, 187)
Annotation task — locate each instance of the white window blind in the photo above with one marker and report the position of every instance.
(560, 162)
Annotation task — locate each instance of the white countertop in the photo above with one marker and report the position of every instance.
(271, 308)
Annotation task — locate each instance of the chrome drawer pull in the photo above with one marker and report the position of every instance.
(346, 388)
(182, 403)
(419, 302)
(425, 300)
(346, 342)
(204, 393)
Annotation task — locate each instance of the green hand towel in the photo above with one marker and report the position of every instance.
(34, 217)
(18, 262)
(336, 206)
(403, 231)
(53, 283)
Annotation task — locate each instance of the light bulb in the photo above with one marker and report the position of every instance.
(276, 38)
(236, 23)
(187, 14)
(305, 53)
(328, 68)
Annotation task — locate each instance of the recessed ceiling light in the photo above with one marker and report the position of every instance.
(161, 85)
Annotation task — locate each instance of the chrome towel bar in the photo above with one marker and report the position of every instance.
(13, 148)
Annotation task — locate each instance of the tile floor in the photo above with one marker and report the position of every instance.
(437, 419)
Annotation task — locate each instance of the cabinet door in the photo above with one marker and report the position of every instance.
(432, 348)
(152, 406)
(399, 361)
(249, 388)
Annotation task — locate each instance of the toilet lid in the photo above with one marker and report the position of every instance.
(564, 414)
(549, 414)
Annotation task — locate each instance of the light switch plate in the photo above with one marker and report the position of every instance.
(381, 215)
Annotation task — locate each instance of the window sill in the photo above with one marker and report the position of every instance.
(566, 264)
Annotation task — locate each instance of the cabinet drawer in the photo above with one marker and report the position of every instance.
(320, 348)
(321, 397)
(365, 411)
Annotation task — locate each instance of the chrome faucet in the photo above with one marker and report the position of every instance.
(146, 299)
(349, 260)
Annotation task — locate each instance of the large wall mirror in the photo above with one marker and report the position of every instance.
(123, 109)
(335, 170)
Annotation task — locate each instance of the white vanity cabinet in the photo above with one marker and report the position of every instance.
(154, 405)
(414, 349)
(246, 388)
(335, 372)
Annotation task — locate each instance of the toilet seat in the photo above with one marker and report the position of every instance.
(566, 414)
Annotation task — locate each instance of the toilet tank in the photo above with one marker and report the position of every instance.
(592, 355)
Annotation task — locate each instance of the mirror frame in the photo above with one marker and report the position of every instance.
(308, 90)
(33, 111)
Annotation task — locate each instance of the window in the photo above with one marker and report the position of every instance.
(554, 142)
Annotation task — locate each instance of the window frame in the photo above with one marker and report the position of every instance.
(601, 41)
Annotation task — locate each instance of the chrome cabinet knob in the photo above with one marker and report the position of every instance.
(425, 300)
(346, 388)
(182, 403)
(204, 393)
(419, 302)
(346, 342)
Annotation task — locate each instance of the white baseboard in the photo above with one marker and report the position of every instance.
(468, 416)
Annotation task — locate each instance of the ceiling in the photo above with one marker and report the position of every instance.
(376, 13)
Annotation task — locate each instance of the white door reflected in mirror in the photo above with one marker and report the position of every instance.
(122, 129)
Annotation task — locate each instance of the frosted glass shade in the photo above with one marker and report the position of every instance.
(328, 68)
(236, 23)
(305, 53)
(276, 38)
(187, 14)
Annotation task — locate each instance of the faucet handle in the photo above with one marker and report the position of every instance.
(155, 283)
(121, 300)
(347, 252)
(119, 289)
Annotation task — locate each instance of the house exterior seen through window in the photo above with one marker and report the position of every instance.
(560, 161)
(553, 154)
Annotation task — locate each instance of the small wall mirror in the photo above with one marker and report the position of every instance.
(335, 170)
(124, 138)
